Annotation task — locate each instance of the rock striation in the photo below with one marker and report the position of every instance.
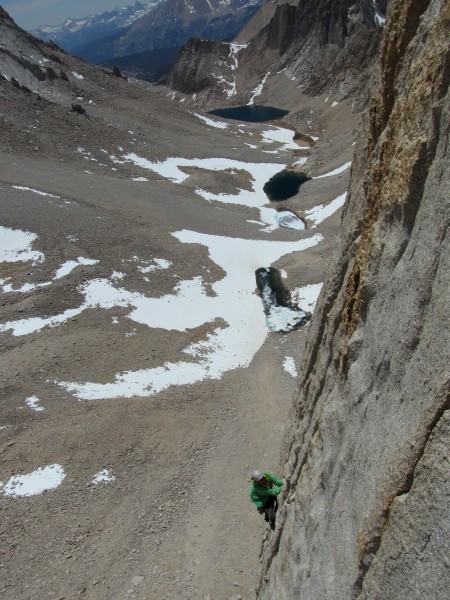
(364, 512)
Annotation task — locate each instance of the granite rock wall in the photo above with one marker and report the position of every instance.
(364, 511)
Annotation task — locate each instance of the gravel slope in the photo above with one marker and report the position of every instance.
(176, 522)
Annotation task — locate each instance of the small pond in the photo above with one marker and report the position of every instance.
(250, 112)
(284, 185)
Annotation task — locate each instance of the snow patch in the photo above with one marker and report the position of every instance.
(15, 246)
(258, 90)
(36, 482)
(70, 265)
(289, 366)
(33, 403)
(320, 213)
(103, 476)
(211, 122)
(380, 21)
(229, 346)
(300, 162)
(344, 167)
(38, 192)
(282, 136)
(160, 263)
(306, 297)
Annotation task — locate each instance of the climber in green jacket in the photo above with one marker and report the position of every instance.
(263, 492)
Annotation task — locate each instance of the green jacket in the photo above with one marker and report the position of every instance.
(260, 493)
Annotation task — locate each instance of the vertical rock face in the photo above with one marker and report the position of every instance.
(331, 44)
(194, 67)
(365, 506)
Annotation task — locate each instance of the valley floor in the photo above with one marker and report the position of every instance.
(171, 518)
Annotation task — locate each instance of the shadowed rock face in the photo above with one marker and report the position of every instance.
(190, 76)
(365, 503)
(324, 45)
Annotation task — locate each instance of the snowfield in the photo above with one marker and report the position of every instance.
(189, 306)
(235, 323)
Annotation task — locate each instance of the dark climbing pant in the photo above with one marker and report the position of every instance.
(270, 509)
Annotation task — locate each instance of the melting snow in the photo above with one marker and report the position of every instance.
(27, 287)
(103, 476)
(306, 297)
(289, 366)
(15, 246)
(70, 265)
(283, 318)
(320, 213)
(282, 136)
(259, 172)
(36, 482)
(235, 301)
(285, 218)
(33, 403)
(258, 90)
(160, 263)
(117, 275)
(336, 171)
(63, 271)
(211, 122)
(26, 326)
(21, 187)
(77, 75)
(279, 318)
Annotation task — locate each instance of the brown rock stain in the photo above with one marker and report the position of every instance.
(399, 149)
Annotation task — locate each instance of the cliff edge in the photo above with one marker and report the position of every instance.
(364, 513)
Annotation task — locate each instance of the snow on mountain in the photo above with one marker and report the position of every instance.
(76, 32)
(173, 22)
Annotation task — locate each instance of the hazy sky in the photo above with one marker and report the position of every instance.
(29, 14)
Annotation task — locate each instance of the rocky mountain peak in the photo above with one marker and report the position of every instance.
(172, 23)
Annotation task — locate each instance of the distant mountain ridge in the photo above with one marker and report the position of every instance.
(74, 33)
(171, 23)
